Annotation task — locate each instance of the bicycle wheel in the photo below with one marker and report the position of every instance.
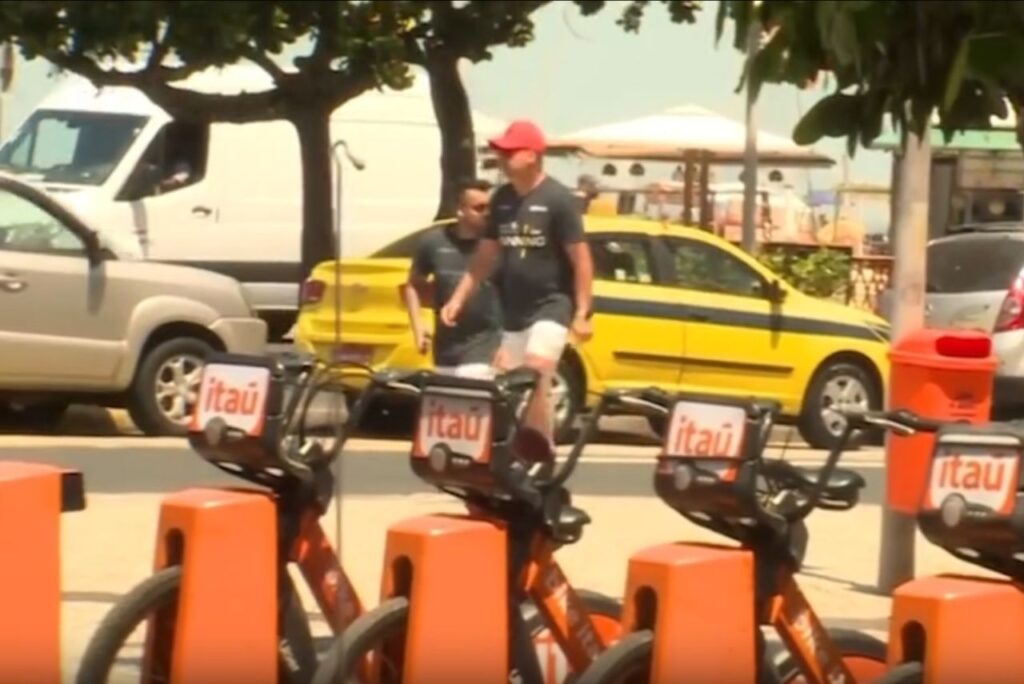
(383, 630)
(863, 654)
(154, 602)
(907, 673)
(627, 662)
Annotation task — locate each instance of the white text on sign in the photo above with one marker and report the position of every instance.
(236, 394)
(461, 423)
(707, 430)
(985, 479)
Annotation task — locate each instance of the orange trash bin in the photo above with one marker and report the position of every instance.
(938, 374)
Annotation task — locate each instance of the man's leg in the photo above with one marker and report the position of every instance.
(544, 346)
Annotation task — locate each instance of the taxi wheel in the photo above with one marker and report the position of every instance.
(835, 386)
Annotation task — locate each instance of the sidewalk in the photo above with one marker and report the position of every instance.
(109, 547)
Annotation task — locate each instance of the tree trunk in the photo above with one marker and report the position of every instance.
(314, 130)
(451, 108)
(910, 248)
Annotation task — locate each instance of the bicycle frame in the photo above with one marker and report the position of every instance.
(327, 580)
(564, 613)
(783, 606)
(303, 541)
(535, 573)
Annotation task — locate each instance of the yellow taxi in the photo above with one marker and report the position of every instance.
(674, 306)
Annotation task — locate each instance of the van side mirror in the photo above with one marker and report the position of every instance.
(94, 250)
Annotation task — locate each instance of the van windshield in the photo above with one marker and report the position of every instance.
(73, 147)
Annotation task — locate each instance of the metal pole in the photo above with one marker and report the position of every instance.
(359, 166)
(750, 152)
(910, 243)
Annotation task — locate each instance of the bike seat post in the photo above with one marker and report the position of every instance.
(31, 501)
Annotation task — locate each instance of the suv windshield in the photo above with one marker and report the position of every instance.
(78, 148)
(974, 264)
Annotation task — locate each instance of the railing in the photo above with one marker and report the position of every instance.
(869, 276)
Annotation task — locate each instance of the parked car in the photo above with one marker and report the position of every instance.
(80, 324)
(975, 281)
(674, 306)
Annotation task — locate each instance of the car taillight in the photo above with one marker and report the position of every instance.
(313, 291)
(1011, 314)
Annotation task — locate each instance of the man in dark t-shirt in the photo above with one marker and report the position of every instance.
(441, 258)
(535, 237)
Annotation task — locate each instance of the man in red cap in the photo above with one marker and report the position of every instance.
(535, 235)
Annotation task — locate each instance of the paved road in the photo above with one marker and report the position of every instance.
(118, 467)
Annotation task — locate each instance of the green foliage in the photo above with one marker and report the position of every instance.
(906, 59)
(820, 273)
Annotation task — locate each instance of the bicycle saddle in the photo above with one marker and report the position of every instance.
(843, 485)
(569, 526)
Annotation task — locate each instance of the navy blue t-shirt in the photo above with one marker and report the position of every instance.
(535, 275)
(476, 335)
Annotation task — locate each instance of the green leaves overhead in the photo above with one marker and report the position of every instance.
(906, 60)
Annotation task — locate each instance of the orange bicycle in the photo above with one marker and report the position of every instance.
(971, 509)
(712, 470)
(469, 444)
(258, 433)
(255, 427)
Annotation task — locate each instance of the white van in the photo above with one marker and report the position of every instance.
(227, 197)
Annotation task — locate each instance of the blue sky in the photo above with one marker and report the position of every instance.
(587, 71)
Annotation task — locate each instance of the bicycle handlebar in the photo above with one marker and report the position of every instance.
(901, 421)
(654, 400)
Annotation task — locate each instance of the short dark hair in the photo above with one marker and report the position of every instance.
(480, 184)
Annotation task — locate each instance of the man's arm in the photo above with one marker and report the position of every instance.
(481, 266)
(568, 230)
(583, 278)
(416, 281)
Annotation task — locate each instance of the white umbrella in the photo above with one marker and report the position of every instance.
(669, 135)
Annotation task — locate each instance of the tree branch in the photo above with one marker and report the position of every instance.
(346, 87)
(180, 103)
(327, 29)
(263, 60)
(160, 47)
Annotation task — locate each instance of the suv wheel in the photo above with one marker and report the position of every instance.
(166, 386)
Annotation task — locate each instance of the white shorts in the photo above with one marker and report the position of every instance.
(483, 371)
(543, 339)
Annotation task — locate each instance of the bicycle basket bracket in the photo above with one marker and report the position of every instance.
(239, 418)
(704, 469)
(971, 502)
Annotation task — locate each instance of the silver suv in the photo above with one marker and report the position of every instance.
(975, 281)
(78, 324)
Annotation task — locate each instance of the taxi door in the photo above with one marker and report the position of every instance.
(736, 343)
(638, 323)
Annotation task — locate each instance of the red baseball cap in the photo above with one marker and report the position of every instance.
(520, 135)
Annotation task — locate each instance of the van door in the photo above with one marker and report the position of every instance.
(257, 173)
(170, 195)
